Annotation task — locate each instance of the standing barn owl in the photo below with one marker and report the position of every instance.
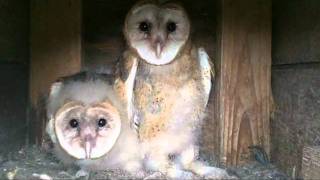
(89, 122)
(171, 90)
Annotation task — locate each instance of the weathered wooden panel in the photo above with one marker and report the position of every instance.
(244, 97)
(14, 56)
(296, 31)
(55, 49)
(311, 162)
(13, 103)
(14, 31)
(297, 117)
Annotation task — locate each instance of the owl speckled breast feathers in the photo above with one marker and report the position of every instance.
(172, 87)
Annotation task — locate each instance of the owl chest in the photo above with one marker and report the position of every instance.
(155, 98)
(157, 101)
(157, 89)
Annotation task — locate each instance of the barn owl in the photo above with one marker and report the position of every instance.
(172, 87)
(89, 122)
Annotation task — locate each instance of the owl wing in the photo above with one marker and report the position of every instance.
(126, 73)
(50, 130)
(206, 72)
(129, 85)
(51, 107)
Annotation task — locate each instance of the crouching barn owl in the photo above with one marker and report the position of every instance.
(89, 123)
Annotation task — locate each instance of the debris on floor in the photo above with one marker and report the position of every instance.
(34, 163)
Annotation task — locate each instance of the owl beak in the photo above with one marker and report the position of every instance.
(158, 44)
(88, 148)
(158, 50)
(89, 143)
(88, 138)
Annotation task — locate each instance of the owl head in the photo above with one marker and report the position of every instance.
(85, 116)
(157, 31)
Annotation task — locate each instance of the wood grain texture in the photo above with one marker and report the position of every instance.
(13, 104)
(311, 162)
(296, 121)
(244, 97)
(55, 48)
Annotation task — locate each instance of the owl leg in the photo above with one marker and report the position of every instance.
(189, 162)
(176, 172)
(82, 173)
(157, 161)
(135, 168)
(160, 162)
(172, 172)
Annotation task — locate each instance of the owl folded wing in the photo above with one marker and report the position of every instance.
(206, 72)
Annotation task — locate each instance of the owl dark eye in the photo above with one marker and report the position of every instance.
(73, 123)
(102, 122)
(171, 27)
(145, 27)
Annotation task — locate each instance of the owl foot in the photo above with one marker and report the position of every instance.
(82, 173)
(176, 173)
(156, 175)
(215, 173)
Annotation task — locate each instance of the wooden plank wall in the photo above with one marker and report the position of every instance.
(244, 98)
(295, 82)
(311, 162)
(14, 57)
(55, 51)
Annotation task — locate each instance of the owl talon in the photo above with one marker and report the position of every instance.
(156, 175)
(216, 173)
(180, 174)
(82, 173)
(140, 174)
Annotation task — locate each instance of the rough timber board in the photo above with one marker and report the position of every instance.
(311, 162)
(244, 94)
(296, 121)
(55, 49)
(13, 103)
(14, 56)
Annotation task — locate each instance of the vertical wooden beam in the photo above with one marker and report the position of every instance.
(243, 94)
(55, 51)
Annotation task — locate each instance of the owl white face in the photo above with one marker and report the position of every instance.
(87, 132)
(157, 33)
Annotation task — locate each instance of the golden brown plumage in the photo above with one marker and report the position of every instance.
(171, 90)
